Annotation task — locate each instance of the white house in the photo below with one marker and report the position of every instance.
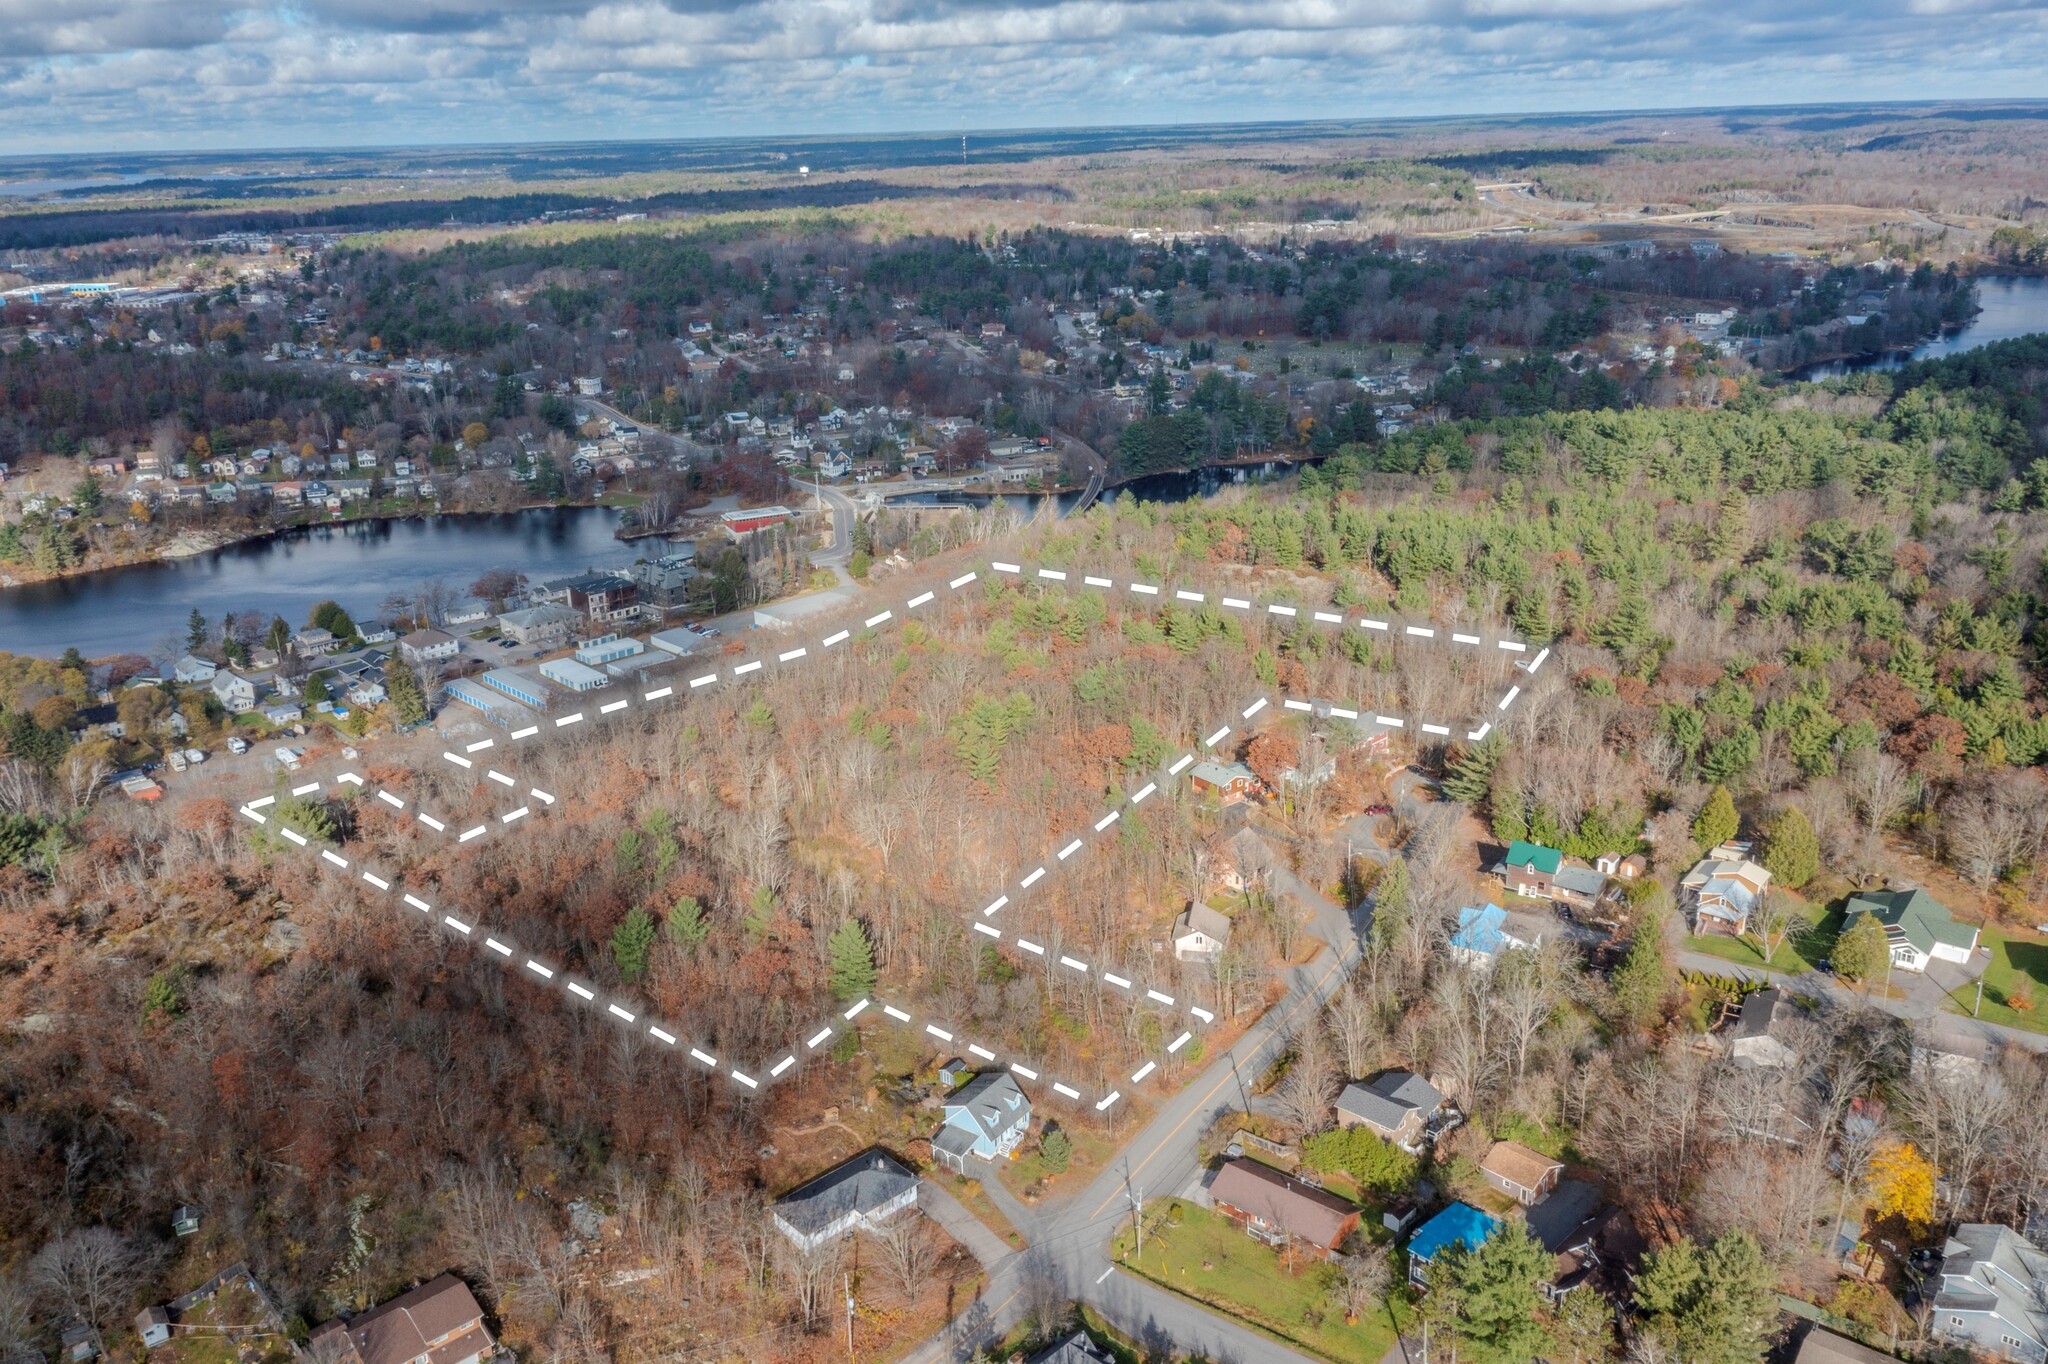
(1199, 933)
(428, 646)
(860, 1194)
(235, 692)
(191, 669)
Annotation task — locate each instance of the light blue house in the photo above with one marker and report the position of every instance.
(1485, 932)
(986, 1117)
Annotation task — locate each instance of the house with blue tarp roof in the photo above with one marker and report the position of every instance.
(1461, 1224)
(1486, 931)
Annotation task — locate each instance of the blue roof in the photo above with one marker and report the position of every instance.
(1479, 929)
(1461, 1223)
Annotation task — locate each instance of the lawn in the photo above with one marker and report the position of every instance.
(1091, 1150)
(2014, 955)
(1201, 1255)
(1799, 953)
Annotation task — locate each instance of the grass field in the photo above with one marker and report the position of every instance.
(1201, 1255)
(1802, 951)
(2015, 956)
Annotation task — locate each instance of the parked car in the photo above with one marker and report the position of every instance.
(1379, 809)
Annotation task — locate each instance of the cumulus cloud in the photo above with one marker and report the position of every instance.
(96, 74)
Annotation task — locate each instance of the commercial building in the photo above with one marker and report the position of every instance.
(679, 642)
(499, 709)
(567, 672)
(517, 685)
(595, 653)
(545, 625)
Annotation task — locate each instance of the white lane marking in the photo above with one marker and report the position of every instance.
(580, 992)
(1097, 582)
(539, 794)
(661, 1035)
(609, 707)
(569, 720)
(499, 777)
(1436, 729)
(1053, 574)
(1253, 709)
(1145, 588)
(436, 825)
(936, 1031)
(1216, 738)
(1508, 700)
(704, 1058)
(1512, 647)
(1030, 880)
(377, 881)
(526, 733)
(895, 1013)
(823, 1033)
(658, 693)
(1297, 705)
(521, 813)
(1372, 625)
(784, 1064)
(1179, 767)
(872, 621)
(795, 653)
(961, 581)
(468, 834)
(919, 600)
(417, 903)
(749, 1081)
(996, 904)
(1142, 1071)
(341, 862)
(458, 760)
(540, 970)
(1237, 603)
(1112, 817)
(1024, 1071)
(1390, 721)
(983, 1052)
(1147, 789)
(984, 928)
(308, 788)
(1329, 618)
(706, 680)
(1080, 966)
(1163, 999)
(1117, 981)
(456, 924)
(1103, 1103)
(393, 801)
(1105, 1274)
(1178, 1043)
(1070, 850)
(295, 836)
(613, 1008)
(1069, 1092)
(855, 1010)
(831, 640)
(1464, 639)
(497, 947)
(1030, 946)
(479, 746)
(746, 668)
(1184, 595)
(1001, 567)
(1273, 610)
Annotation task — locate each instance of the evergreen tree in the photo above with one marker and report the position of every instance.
(852, 971)
(1641, 980)
(280, 637)
(195, 630)
(1390, 909)
(315, 690)
(631, 942)
(1717, 821)
(408, 702)
(72, 660)
(1791, 852)
(1055, 1150)
(1861, 952)
(1709, 1305)
(1732, 756)
(687, 926)
(1498, 1298)
(1471, 775)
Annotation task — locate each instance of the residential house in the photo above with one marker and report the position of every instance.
(1400, 1106)
(1823, 1346)
(284, 713)
(665, 582)
(1487, 932)
(1722, 890)
(422, 647)
(1460, 1224)
(1529, 868)
(1199, 933)
(986, 1118)
(1077, 1348)
(1919, 927)
(596, 596)
(546, 625)
(574, 676)
(367, 692)
(437, 1323)
(1569, 1223)
(235, 692)
(1240, 860)
(1992, 1296)
(1227, 782)
(857, 1194)
(1274, 1207)
(190, 670)
(1757, 1039)
(1522, 1174)
(313, 641)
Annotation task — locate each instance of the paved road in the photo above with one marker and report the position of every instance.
(842, 508)
(1068, 1256)
(962, 1225)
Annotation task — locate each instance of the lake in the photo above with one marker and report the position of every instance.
(2010, 305)
(130, 610)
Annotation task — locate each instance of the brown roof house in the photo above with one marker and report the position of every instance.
(437, 1323)
(1280, 1210)
(1522, 1174)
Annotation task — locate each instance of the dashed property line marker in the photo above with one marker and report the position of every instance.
(1064, 1089)
(307, 789)
(1464, 639)
(1142, 1071)
(499, 777)
(1163, 999)
(1217, 737)
(831, 640)
(1107, 820)
(393, 801)
(1052, 573)
(520, 813)
(961, 581)
(661, 1035)
(706, 680)
(1001, 567)
(1145, 589)
(609, 707)
(1070, 850)
(1370, 624)
(996, 904)
(984, 928)
(1178, 1043)
(526, 733)
(335, 859)
(1277, 610)
(823, 1033)
(566, 720)
(749, 1081)
(792, 655)
(1188, 596)
(983, 1052)
(350, 778)
(1147, 789)
(872, 621)
(1509, 699)
(580, 992)
(468, 834)
(1512, 647)
(919, 600)
(1253, 709)
(260, 802)
(497, 947)
(1436, 729)
(1027, 1072)
(1237, 603)
(855, 1011)
(785, 1063)
(1110, 1098)
(704, 1058)
(458, 760)
(658, 693)
(539, 794)
(1480, 733)
(543, 972)
(1186, 760)
(294, 835)
(1097, 582)
(1420, 632)
(377, 881)
(746, 668)
(615, 1009)
(456, 924)
(423, 907)
(1031, 880)
(479, 746)
(895, 1013)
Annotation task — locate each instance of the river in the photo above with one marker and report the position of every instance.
(359, 564)
(2008, 306)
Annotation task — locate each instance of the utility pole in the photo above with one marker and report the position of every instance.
(1137, 1201)
(846, 1283)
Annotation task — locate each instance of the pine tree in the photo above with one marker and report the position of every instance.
(280, 636)
(1055, 1150)
(852, 971)
(316, 689)
(1641, 980)
(1717, 821)
(1861, 952)
(631, 942)
(687, 926)
(195, 630)
(1711, 1305)
(1498, 1299)
(408, 702)
(1471, 775)
(1791, 852)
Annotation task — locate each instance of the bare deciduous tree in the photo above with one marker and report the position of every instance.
(908, 1255)
(91, 1272)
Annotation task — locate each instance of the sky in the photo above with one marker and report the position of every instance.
(141, 75)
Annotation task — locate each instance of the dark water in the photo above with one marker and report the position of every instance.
(1150, 488)
(131, 610)
(2012, 305)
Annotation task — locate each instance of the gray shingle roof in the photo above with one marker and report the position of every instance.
(992, 1099)
(1386, 1101)
(861, 1184)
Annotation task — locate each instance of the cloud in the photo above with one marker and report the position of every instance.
(117, 74)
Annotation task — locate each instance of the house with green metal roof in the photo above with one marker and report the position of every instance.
(1919, 927)
(1539, 873)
